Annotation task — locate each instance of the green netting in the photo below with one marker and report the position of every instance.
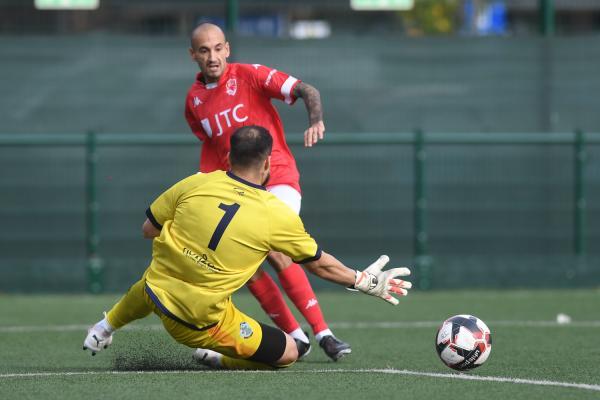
(381, 83)
(504, 208)
(498, 215)
(42, 208)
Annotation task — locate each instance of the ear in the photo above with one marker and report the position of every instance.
(191, 51)
(266, 168)
(227, 50)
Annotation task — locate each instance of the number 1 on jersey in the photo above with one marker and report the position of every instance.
(230, 211)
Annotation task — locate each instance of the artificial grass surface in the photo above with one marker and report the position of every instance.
(41, 334)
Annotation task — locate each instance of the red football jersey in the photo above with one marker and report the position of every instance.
(242, 96)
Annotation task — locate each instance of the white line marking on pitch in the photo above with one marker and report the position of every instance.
(340, 325)
(465, 377)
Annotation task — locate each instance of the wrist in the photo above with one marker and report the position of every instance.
(364, 281)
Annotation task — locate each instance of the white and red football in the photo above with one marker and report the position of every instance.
(463, 342)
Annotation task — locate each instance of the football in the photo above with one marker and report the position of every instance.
(463, 342)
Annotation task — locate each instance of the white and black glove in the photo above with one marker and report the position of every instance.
(382, 284)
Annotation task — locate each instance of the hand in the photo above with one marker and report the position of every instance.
(382, 284)
(314, 133)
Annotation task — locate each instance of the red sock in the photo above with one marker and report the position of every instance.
(271, 300)
(297, 287)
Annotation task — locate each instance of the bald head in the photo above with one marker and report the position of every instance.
(210, 49)
(206, 29)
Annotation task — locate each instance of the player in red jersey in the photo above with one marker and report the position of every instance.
(226, 96)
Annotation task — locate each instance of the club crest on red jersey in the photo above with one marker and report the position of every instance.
(231, 87)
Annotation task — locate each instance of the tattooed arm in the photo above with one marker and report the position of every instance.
(312, 100)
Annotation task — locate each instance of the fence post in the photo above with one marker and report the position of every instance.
(580, 203)
(231, 20)
(95, 267)
(422, 259)
(546, 17)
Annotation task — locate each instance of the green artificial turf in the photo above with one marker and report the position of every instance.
(44, 334)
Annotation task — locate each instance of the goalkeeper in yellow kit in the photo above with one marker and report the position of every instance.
(211, 232)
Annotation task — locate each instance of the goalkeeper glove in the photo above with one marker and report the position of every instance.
(382, 284)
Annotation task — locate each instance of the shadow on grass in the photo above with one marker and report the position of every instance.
(155, 350)
(151, 350)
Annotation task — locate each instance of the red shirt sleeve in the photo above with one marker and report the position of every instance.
(191, 120)
(273, 83)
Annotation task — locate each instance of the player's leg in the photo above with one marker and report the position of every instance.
(296, 285)
(298, 288)
(268, 294)
(273, 340)
(133, 305)
(237, 342)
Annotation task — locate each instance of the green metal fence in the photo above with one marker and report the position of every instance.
(127, 83)
(420, 147)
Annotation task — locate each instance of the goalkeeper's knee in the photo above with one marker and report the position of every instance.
(290, 354)
(284, 366)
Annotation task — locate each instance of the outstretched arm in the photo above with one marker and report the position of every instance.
(372, 280)
(312, 100)
(330, 268)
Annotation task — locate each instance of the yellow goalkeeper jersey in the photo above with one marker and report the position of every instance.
(216, 230)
